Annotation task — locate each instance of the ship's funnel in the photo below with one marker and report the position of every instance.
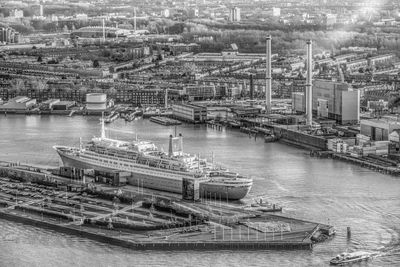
(170, 146)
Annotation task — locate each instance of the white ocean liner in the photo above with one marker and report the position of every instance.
(152, 168)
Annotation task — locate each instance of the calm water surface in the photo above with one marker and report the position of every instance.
(321, 190)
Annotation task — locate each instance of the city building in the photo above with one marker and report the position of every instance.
(336, 100)
(96, 101)
(17, 13)
(298, 102)
(199, 92)
(166, 13)
(233, 92)
(276, 12)
(245, 111)
(330, 19)
(140, 97)
(342, 59)
(395, 136)
(63, 105)
(381, 59)
(18, 103)
(292, 63)
(97, 32)
(193, 13)
(234, 14)
(379, 129)
(189, 112)
(37, 10)
(9, 35)
(325, 62)
(356, 65)
(81, 16)
(331, 100)
(179, 48)
(48, 104)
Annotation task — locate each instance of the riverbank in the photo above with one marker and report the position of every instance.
(372, 163)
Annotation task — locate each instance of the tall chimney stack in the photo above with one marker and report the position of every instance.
(181, 143)
(104, 31)
(251, 87)
(309, 83)
(268, 78)
(166, 99)
(134, 19)
(170, 151)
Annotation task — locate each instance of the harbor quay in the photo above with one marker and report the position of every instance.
(141, 218)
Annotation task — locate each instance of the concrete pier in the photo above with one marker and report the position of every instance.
(143, 219)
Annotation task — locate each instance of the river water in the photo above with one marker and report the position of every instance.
(321, 190)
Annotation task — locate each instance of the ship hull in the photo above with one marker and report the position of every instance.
(207, 188)
(223, 192)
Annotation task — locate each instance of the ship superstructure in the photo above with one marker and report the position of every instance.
(153, 168)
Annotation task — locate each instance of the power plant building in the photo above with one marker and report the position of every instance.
(336, 100)
(331, 100)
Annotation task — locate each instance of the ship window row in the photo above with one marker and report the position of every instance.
(123, 153)
(125, 160)
(112, 163)
(96, 158)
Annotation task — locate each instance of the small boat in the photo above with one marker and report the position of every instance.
(264, 206)
(346, 258)
(111, 117)
(270, 138)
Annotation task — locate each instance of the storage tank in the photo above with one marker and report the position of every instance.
(96, 101)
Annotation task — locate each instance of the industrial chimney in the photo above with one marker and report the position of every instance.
(251, 87)
(170, 147)
(268, 77)
(166, 99)
(134, 19)
(309, 83)
(104, 31)
(181, 144)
